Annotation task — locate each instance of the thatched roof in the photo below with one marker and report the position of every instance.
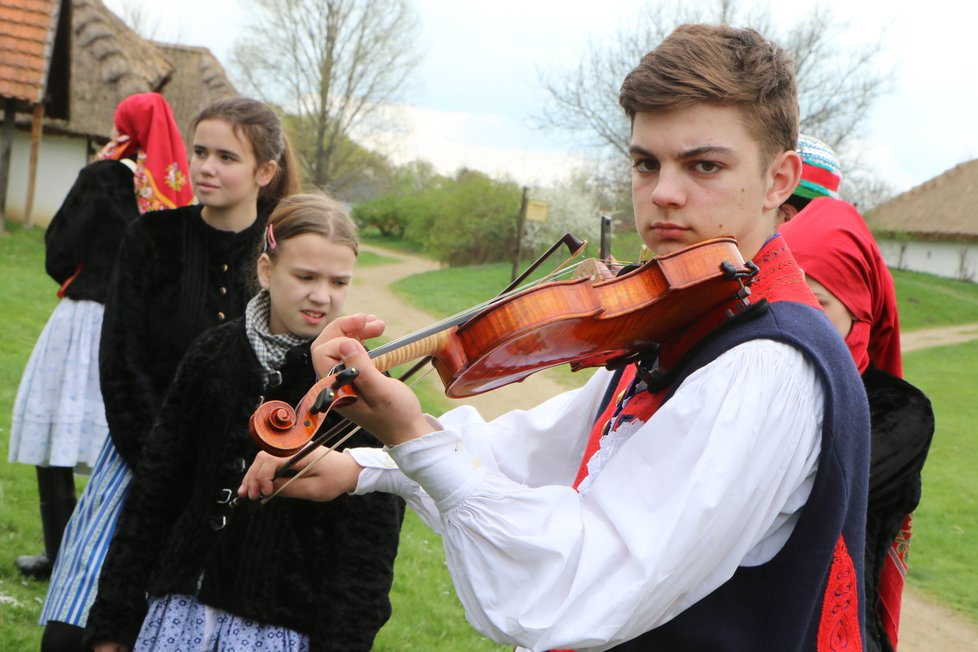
(198, 80)
(34, 48)
(944, 208)
(109, 62)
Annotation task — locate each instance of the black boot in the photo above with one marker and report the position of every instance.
(62, 637)
(56, 489)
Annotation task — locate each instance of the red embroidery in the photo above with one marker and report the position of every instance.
(780, 279)
(599, 428)
(838, 628)
(890, 590)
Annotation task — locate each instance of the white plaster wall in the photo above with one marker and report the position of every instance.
(58, 162)
(950, 259)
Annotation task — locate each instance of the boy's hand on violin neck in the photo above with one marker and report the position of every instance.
(386, 407)
(360, 327)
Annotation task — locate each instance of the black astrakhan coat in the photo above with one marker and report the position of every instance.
(84, 235)
(324, 569)
(175, 277)
(902, 426)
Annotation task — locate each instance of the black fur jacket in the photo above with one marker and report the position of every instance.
(902, 423)
(174, 278)
(84, 235)
(324, 569)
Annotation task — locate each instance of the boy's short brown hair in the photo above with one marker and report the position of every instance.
(717, 64)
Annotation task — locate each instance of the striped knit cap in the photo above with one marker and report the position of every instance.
(821, 172)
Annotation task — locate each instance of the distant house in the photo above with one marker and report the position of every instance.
(107, 62)
(933, 227)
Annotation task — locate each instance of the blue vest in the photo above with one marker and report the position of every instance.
(809, 596)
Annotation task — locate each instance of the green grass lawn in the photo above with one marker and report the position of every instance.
(944, 549)
(926, 301)
(369, 258)
(27, 298)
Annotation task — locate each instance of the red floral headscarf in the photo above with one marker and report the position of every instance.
(833, 245)
(147, 129)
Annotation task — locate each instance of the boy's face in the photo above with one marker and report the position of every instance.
(697, 174)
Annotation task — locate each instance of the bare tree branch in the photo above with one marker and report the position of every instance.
(836, 85)
(331, 64)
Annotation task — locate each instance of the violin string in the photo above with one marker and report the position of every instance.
(302, 471)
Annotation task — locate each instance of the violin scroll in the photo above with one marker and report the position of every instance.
(273, 428)
(280, 430)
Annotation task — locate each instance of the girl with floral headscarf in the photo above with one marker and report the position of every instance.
(148, 134)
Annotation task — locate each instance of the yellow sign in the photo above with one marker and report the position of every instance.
(536, 210)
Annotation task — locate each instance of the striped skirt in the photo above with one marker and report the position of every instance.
(74, 580)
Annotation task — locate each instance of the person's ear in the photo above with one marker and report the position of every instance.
(265, 271)
(783, 177)
(785, 212)
(265, 173)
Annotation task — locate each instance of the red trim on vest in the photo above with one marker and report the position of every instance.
(780, 279)
(838, 627)
(601, 423)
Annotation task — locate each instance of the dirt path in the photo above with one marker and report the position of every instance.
(941, 336)
(926, 626)
(371, 294)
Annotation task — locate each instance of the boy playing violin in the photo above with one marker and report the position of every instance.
(711, 496)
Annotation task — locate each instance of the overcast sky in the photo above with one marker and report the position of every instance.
(476, 91)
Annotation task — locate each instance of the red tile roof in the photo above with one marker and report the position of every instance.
(27, 30)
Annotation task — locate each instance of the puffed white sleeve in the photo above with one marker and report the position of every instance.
(714, 480)
(543, 445)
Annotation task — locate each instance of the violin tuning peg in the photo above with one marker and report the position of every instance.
(345, 377)
(322, 402)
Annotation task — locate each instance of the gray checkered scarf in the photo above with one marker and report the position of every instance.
(269, 349)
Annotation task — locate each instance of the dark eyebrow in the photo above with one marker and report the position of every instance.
(640, 151)
(688, 154)
(306, 270)
(706, 150)
(222, 152)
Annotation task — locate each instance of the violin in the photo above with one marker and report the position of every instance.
(575, 321)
